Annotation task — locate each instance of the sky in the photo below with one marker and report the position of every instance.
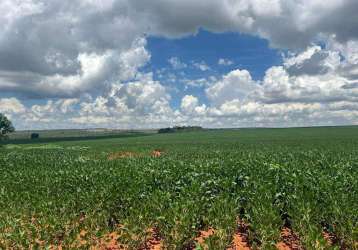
(133, 64)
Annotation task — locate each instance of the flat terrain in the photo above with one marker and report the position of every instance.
(221, 189)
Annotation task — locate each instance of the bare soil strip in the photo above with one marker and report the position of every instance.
(289, 240)
(154, 242)
(129, 154)
(157, 153)
(240, 239)
(109, 242)
(204, 234)
(121, 155)
(333, 240)
(330, 238)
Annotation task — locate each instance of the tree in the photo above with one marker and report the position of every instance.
(5, 126)
(35, 136)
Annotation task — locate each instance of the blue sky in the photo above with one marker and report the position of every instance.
(244, 51)
(151, 64)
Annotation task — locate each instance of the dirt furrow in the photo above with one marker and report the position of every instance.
(154, 242)
(289, 240)
(240, 239)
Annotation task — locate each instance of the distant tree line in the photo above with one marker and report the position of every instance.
(178, 129)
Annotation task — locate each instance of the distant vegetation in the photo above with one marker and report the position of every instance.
(46, 136)
(5, 126)
(177, 129)
(35, 136)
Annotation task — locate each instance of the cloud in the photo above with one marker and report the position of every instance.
(284, 97)
(293, 94)
(96, 71)
(313, 61)
(236, 84)
(190, 105)
(199, 83)
(138, 102)
(285, 23)
(315, 75)
(201, 65)
(44, 45)
(66, 48)
(11, 106)
(176, 63)
(225, 62)
(54, 112)
(85, 58)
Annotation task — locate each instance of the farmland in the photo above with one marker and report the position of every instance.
(252, 184)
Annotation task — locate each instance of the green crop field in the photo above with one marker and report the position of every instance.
(114, 193)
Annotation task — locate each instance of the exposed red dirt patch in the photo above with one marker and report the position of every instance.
(332, 239)
(53, 247)
(157, 153)
(203, 235)
(239, 243)
(128, 154)
(289, 240)
(155, 241)
(121, 155)
(240, 239)
(109, 242)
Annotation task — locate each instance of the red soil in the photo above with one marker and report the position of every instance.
(154, 242)
(204, 234)
(239, 243)
(333, 240)
(109, 242)
(330, 238)
(156, 153)
(289, 240)
(124, 154)
(129, 154)
(240, 238)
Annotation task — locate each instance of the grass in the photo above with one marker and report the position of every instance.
(68, 193)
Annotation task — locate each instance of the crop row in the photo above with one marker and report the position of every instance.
(58, 196)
